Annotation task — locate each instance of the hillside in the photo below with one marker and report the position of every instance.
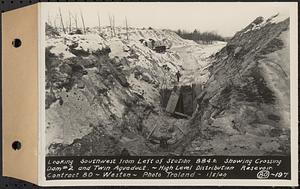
(244, 107)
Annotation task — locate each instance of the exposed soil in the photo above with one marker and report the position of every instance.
(103, 93)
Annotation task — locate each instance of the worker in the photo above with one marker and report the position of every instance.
(178, 74)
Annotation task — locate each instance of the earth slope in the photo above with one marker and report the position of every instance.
(244, 108)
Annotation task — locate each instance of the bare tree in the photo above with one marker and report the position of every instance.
(74, 16)
(55, 23)
(126, 28)
(99, 22)
(114, 25)
(61, 20)
(70, 22)
(111, 25)
(49, 20)
(82, 19)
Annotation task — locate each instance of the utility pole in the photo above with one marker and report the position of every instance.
(61, 20)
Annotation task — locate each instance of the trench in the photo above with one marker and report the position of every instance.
(140, 131)
(179, 103)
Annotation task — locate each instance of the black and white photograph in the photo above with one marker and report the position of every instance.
(162, 80)
(151, 93)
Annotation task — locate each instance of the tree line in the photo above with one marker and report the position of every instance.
(200, 37)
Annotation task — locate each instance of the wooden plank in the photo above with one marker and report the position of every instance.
(152, 131)
(180, 129)
(173, 100)
(164, 97)
(197, 89)
(187, 101)
(181, 114)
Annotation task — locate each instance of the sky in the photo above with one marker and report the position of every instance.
(224, 18)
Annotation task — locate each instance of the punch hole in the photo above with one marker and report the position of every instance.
(16, 145)
(17, 43)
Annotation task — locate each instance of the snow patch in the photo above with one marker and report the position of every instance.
(89, 42)
(273, 19)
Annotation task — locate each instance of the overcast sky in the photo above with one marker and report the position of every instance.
(223, 18)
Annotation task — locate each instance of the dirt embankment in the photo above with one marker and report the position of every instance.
(244, 107)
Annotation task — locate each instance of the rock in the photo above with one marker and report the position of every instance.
(104, 71)
(125, 152)
(65, 68)
(160, 49)
(237, 51)
(80, 84)
(102, 91)
(156, 85)
(89, 62)
(258, 20)
(271, 147)
(122, 80)
(146, 78)
(50, 99)
(77, 69)
(124, 61)
(79, 52)
(102, 52)
(274, 117)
